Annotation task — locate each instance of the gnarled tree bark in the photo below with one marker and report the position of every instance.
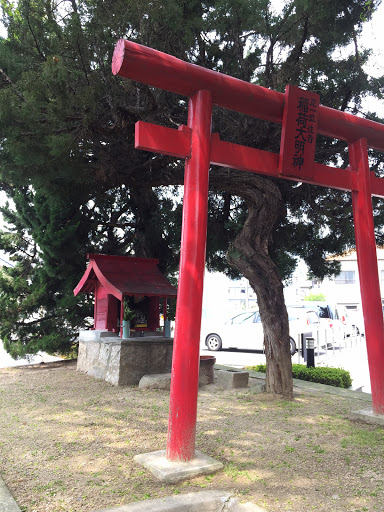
(250, 255)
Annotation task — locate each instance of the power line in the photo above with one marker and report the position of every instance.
(7, 262)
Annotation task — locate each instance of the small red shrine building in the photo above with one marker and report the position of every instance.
(111, 278)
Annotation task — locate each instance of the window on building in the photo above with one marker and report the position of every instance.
(382, 276)
(345, 277)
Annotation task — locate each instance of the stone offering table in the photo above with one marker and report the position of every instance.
(123, 362)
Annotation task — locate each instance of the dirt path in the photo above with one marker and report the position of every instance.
(67, 442)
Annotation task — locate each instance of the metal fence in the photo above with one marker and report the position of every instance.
(328, 343)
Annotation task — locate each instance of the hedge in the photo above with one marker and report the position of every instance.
(323, 375)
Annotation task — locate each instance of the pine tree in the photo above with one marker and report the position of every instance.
(67, 155)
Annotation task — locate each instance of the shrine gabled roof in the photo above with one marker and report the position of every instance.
(125, 275)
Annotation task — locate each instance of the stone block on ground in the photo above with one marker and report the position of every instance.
(156, 381)
(206, 373)
(230, 379)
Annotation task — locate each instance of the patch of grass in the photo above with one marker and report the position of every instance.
(285, 404)
(364, 438)
(121, 492)
(235, 471)
(231, 470)
(316, 448)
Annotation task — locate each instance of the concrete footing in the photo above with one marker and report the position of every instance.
(171, 472)
(368, 416)
(205, 501)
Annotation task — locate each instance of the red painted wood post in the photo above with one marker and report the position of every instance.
(368, 271)
(186, 347)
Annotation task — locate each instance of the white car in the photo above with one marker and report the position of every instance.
(245, 330)
(332, 327)
(354, 322)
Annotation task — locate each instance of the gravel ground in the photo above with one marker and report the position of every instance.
(68, 441)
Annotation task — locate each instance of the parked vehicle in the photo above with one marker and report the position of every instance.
(245, 330)
(354, 322)
(332, 326)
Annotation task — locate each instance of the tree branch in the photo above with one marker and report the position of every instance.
(7, 79)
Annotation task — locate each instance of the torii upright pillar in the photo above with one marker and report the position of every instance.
(186, 345)
(368, 270)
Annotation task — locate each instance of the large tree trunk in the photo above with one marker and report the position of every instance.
(249, 254)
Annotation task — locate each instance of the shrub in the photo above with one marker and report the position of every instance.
(331, 376)
(315, 297)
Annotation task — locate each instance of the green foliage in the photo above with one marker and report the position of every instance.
(332, 376)
(315, 297)
(38, 310)
(128, 313)
(77, 184)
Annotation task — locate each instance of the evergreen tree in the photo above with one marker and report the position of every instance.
(67, 155)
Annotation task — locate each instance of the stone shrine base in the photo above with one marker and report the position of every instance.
(123, 362)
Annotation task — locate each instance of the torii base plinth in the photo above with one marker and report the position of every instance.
(174, 471)
(368, 416)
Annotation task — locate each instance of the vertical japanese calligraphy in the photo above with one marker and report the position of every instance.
(298, 136)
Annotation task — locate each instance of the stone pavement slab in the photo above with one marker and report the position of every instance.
(205, 501)
(7, 502)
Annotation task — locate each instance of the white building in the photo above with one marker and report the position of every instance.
(343, 289)
(224, 297)
(241, 295)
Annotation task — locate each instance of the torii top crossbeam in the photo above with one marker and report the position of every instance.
(301, 117)
(149, 66)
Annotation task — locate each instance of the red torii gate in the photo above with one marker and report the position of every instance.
(200, 148)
